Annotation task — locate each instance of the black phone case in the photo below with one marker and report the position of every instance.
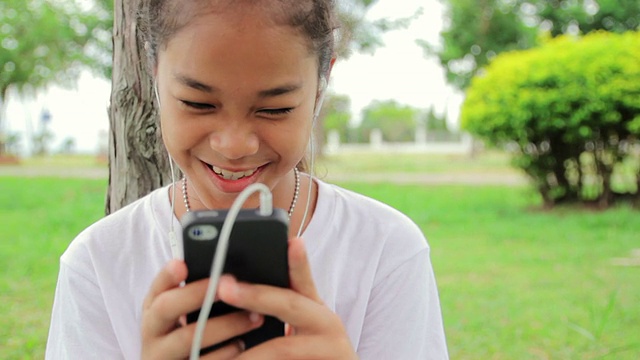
(257, 253)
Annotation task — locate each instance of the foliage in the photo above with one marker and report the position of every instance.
(435, 122)
(360, 35)
(396, 122)
(45, 41)
(10, 142)
(41, 142)
(570, 110)
(588, 15)
(336, 113)
(479, 30)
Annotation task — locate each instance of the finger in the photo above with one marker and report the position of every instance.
(169, 306)
(298, 347)
(217, 330)
(300, 270)
(230, 351)
(169, 277)
(305, 314)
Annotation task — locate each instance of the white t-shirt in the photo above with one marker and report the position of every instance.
(370, 264)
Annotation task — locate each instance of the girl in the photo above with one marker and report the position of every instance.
(238, 83)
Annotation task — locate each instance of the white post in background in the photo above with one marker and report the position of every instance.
(421, 134)
(333, 141)
(375, 139)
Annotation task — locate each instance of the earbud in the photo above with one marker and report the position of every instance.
(155, 91)
(322, 87)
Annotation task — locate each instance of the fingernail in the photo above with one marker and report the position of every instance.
(229, 285)
(254, 317)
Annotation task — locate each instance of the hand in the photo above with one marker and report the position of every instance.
(315, 331)
(164, 332)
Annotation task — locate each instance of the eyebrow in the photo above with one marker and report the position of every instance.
(194, 84)
(280, 90)
(276, 91)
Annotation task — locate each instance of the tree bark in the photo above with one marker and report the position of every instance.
(138, 161)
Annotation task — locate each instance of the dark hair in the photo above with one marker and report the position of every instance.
(159, 20)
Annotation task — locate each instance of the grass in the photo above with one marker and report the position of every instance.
(39, 217)
(519, 283)
(489, 162)
(66, 161)
(515, 282)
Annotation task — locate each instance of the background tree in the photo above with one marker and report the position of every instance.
(68, 146)
(336, 115)
(138, 162)
(435, 122)
(478, 30)
(396, 122)
(44, 42)
(569, 110)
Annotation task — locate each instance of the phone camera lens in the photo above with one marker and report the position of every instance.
(203, 232)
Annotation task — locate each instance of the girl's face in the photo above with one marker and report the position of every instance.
(237, 101)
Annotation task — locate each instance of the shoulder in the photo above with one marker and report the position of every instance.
(363, 211)
(361, 227)
(120, 235)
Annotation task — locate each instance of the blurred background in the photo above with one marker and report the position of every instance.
(506, 129)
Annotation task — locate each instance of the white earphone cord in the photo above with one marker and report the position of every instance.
(323, 89)
(173, 241)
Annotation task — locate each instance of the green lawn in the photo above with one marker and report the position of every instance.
(39, 218)
(519, 283)
(487, 162)
(515, 282)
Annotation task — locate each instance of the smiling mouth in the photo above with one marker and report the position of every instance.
(232, 175)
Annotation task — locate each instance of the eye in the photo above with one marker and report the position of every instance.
(276, 112)
(197, 106)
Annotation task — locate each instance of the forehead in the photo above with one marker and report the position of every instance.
(174, 15)
(240, 42)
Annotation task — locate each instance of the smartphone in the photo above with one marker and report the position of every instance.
(257, 253)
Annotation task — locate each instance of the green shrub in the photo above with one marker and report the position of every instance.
(570, 111)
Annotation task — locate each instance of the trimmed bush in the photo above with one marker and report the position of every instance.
(570, 112)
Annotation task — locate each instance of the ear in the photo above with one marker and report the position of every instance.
(333, 61)
(324, 80)
(328, 74)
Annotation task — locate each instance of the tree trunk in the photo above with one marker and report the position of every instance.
(138, 162)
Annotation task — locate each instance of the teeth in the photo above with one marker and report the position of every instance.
(230, 175)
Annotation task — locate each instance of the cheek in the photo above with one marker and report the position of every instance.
(293, 138)
(179, 133)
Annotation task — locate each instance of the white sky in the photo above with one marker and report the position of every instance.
(399, 70)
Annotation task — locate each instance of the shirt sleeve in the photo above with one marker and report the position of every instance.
(403, 318)
(80, 326)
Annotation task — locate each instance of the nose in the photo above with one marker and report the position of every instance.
(235, 139)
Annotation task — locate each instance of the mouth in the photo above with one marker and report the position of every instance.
(232, 175)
